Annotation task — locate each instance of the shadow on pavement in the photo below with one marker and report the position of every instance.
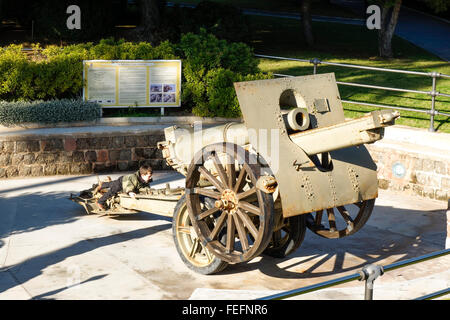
(389, 232)
(51, 293)
(35, 266)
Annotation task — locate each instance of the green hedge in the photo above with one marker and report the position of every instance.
(53, 111)
(210, 66)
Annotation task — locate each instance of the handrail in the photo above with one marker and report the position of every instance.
(359, 276)
(433, 93)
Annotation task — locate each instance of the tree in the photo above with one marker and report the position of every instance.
(305, 13)
(389, 17)
(150, 19)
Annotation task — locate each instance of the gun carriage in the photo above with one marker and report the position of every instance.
(256, 187)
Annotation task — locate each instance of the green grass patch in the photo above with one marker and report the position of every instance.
(356, 45)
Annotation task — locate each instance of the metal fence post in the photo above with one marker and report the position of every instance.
(434, 75)
(315, 61)
(370, 273)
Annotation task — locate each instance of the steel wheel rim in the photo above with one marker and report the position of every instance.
(353, 224)
(239, 218)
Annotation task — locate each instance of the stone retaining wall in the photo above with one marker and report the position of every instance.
(82, 154)
(426, 166)
(413, 161)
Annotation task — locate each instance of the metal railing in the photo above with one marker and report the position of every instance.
(433, 93)
(368, 274)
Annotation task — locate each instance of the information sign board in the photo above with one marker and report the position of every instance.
(132, 83)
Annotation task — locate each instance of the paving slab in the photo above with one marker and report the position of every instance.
(50, 249)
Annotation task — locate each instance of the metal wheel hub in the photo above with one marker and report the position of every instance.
(228, 201)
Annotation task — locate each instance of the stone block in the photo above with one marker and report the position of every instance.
(142, 141)
(117, 142)
(2, 173)
(125, 154)
(12, 171)
(50, 169)
(102, 156)
(90, 156)
(122, 165)
(86, 167)
(52, 145)
(77, 156)
(47, 157)
(114, 155)
(81, 168)
(5, 159)
(70, 144)
(63, 168)
(37, 170)
(155, 138)
(8, 146)
(130, 141)
(28, 146)
(24, 171)
(28, 158)
(65, 157)
(16, 159)
(82, 144)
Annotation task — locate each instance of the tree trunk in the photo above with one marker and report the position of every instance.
(150, 19)
(389, 17)
(305, 12)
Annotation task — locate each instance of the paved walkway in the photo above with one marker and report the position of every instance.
(50, 249)
(423, 30)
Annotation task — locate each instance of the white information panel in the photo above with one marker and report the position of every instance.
(132, 83)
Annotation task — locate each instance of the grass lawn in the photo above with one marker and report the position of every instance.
(356, 45)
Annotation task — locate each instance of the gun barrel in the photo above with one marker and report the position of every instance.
(182, 143)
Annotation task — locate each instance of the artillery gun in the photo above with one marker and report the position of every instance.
(256, 186)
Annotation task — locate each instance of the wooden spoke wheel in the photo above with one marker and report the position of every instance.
(241, 211)
(189, 247)
(340, 221)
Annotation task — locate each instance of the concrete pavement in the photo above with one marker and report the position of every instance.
(49, 249)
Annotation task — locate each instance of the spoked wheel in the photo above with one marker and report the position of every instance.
(241, 210)
(349, 220)
(287, 238)
(189, 246)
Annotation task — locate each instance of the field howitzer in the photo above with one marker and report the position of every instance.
(256, 186)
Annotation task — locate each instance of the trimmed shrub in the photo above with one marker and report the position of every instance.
(219, 97)
(210, 66)
(57, 72)
(53, 111)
